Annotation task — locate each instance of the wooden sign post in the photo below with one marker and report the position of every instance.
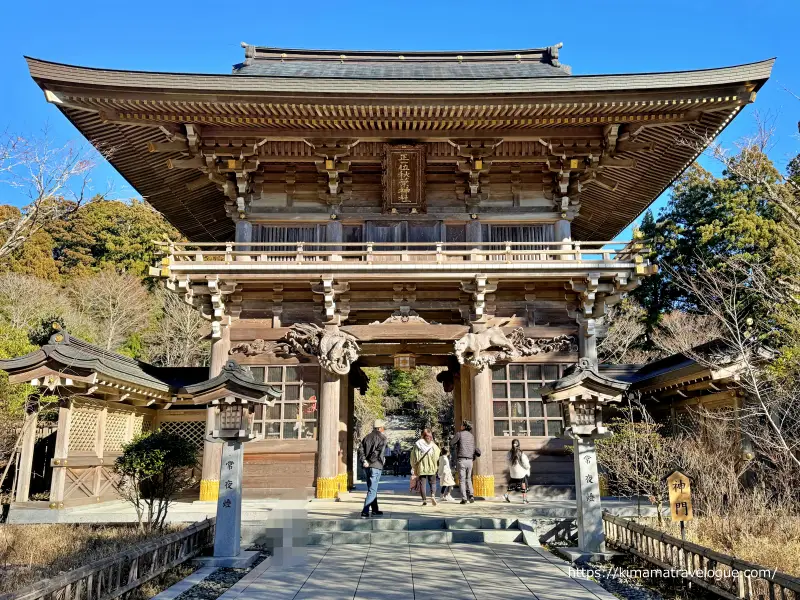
(680, 499)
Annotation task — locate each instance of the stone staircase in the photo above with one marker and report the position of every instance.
(400, 531)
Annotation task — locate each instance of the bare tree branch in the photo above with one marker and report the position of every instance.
(55, 179)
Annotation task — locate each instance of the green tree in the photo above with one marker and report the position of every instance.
(109, 233)
(707, 221)
(403, 386)
(153, 468)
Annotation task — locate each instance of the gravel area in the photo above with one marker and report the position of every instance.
(213, 586)
(613, 578)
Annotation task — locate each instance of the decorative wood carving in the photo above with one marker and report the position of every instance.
(335, 349)
(254, 348)
(491, 345)
(404, 178)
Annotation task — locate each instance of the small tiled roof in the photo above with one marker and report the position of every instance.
(235, 378)
(69, 355)
(347, 64)
(579, 375)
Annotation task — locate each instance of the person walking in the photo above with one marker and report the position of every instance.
(425, 462)
(397, 455)
(372, 449)
(519, 469)
(463, 449)
(446, 480)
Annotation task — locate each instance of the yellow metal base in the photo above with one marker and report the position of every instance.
(209, 490)
(327, 487)
(342, 482)
(483, 485)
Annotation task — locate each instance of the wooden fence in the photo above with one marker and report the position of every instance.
(115, 575)
(720, 574)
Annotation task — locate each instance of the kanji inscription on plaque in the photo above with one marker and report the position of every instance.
(404, 178)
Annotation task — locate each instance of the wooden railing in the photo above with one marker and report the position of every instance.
(720, 574)
(115, 575)
(411, 252)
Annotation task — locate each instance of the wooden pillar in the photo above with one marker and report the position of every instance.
(587, 339)
(244, 233)
(483, 470)
(334, 234)
(342, 435)
(328, 442)
(473, 231)
(562, 232)
(352, 442)
(212, 453)
(466, 396)
(26, 456)
(58, 481)
(458, 415)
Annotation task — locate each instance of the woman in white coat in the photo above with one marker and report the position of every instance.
(519, 469)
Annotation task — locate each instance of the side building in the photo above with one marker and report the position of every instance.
(349, 209)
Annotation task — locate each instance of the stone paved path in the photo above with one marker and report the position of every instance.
(418, 572)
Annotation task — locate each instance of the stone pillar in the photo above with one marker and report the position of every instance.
(483, 471)
(587, 486)
(212, 452)
(229, 502)
(26, 456)
(587, 480)
(328, 439)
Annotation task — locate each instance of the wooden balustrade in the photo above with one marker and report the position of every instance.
(115, 575)
(718, 573)
(391, 252)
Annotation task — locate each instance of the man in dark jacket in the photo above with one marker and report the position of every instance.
(373, 448)
(463, 450)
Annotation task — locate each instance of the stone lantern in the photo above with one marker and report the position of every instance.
(583, 393)
(234, 395)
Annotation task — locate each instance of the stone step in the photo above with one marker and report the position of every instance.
(422, 524)
(423, 536)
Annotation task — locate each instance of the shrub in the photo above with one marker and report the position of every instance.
(153, 469)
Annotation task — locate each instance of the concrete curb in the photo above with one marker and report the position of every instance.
(184, 584)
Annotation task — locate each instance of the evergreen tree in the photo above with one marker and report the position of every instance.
(109, 233)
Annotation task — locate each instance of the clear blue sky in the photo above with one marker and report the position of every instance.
(202, 36)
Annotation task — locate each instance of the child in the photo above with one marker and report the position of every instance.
(446, 481)
(519, 469)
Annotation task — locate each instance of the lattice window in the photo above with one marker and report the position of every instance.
(294, 416)
(194, 431)
(141, 424)
(517, 403)
(116, 431)
(83, 428)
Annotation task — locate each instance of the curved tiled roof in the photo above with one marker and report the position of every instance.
(69, 355)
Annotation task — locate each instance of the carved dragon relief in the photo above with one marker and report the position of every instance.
(255, 348)
(491, 346)
(335, 349)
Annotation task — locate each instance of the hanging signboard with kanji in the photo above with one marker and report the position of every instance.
(404, 178)
(680, 497)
